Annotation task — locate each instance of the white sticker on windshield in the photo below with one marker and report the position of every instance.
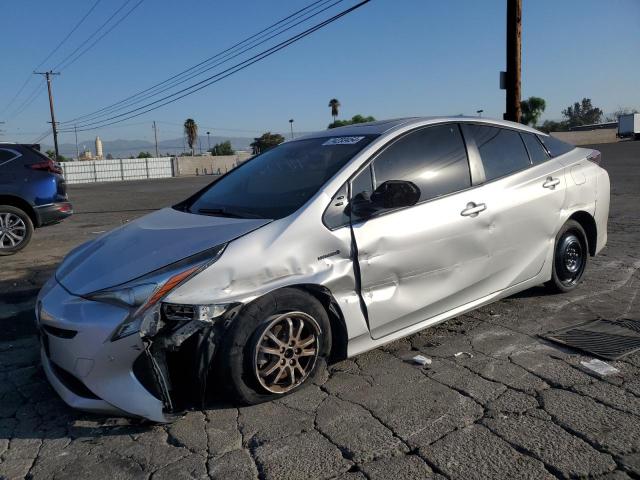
(342, 141)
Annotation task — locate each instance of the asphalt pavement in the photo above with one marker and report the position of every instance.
(497, 401)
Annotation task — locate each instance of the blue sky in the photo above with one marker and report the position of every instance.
(390, 58)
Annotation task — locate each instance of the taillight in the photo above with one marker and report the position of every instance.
(595, 156)
(46, 166)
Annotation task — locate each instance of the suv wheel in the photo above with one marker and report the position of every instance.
(16, 229)
(276, 345)
(569, 258)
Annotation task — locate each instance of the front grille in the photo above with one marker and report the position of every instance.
(72, 383)
(59, 332)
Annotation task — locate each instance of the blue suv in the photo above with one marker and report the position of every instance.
(33, 194)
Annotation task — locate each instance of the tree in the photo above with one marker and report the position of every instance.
(582, 113)
(222, 148)
(109, 156)
(191, 132)
(144, 155)
(52, 155)
(266, 141)
(613, 117)
(334, 104)
(532, 109)
(355, 119)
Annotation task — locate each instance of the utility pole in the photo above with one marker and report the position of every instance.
(514, 57)
(54, 127)
(291, 124)
(208, 142)
(155, 135)
(75, 130)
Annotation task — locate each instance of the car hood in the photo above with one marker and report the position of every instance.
(144, 245)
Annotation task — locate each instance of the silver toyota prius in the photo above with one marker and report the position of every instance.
(319, 249)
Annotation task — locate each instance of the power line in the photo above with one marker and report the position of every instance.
(221, 75)
(201, 67)
(70, 33)
(55, 49)
(26, 103)
(64, 63)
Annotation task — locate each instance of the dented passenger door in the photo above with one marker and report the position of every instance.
(420, 261)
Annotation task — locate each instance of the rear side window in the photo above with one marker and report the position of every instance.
(556, 147)
(501, 150)
(536, 151)
(434, 158)
(7, 155)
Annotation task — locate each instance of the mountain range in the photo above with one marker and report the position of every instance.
(127, 148)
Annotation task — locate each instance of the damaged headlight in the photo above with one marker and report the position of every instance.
(143, 295)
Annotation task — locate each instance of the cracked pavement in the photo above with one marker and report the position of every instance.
(511, 406)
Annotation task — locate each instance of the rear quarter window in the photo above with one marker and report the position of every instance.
(536, 151)
(554, 146)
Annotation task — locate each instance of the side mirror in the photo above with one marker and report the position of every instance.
(395, 194)
(390, 194)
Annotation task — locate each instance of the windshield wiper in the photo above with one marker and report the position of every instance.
(225, 212)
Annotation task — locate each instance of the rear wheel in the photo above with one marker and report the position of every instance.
(570, 257)
(275, 346)
(16, 229)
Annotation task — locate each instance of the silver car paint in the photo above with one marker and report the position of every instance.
(464, 262)
(147, 244)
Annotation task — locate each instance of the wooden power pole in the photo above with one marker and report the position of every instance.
(54, 126)
(514, 56)
(155, 136)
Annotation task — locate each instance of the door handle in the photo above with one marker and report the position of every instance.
(473, 209)
(551, 182)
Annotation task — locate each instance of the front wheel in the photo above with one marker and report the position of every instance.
(16, 229)
(569, 258)
(275, 346)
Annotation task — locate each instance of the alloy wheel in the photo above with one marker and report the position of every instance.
(13, 230)
(286, 351)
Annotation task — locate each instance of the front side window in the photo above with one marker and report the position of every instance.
(502, 151)
(434, 158)
(276, 183)
(536, 151)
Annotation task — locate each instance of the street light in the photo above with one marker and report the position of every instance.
(479, 112)
(208, 142)
(291, 124)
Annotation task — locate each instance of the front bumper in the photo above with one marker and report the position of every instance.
(77, 352)
(53, 213)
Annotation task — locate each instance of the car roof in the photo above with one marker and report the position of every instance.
(385, 126)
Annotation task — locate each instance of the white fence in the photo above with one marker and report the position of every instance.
(91, 171)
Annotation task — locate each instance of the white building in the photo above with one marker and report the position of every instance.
(99, 149)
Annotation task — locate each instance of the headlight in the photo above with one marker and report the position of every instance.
(143, 295)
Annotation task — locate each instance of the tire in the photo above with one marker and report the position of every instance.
(570, 258)
(243, 365)
(16, 229)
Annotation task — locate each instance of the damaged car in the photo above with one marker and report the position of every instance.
(321, 248)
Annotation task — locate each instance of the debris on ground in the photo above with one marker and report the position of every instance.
(599, 367)
(466, 354)
(421, 360)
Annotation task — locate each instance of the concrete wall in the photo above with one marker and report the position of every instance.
(586, 137)
(207, 164)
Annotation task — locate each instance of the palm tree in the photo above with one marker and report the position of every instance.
(191, 132)
(334, 103)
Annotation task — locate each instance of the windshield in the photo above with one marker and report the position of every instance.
(278, 182)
